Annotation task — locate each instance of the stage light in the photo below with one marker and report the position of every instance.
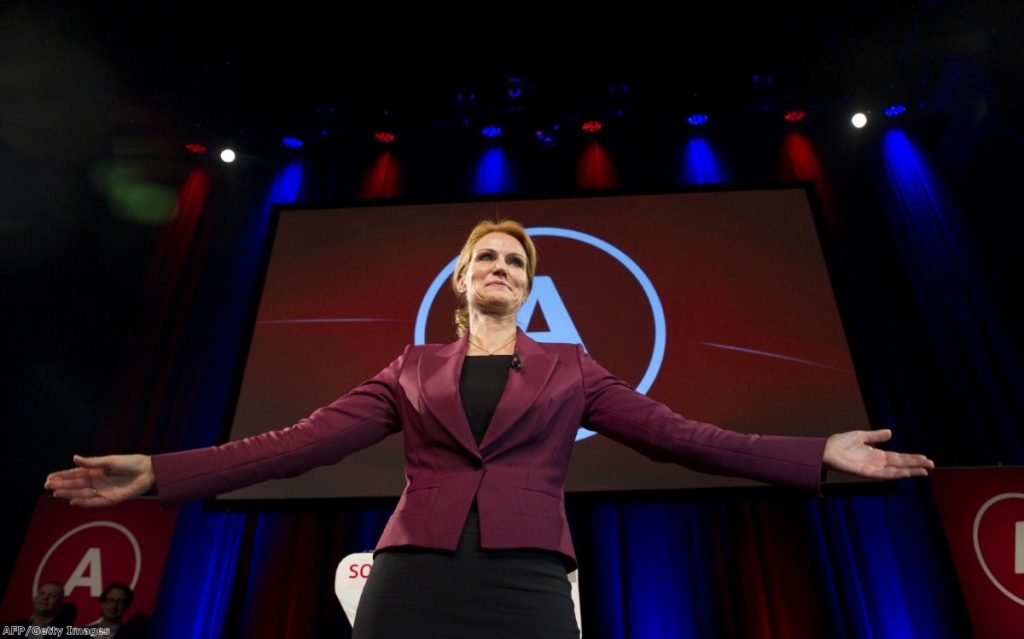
(895, 110)
(594, 168)
(196, 148)
(697, 119)
(227, 155)
(291, 142)
(384, 137)
(491, 131)
(795, 116)
(547, 137)
(592, 126)
(700, 163)
(384, 178)
(859, 120)
(514, 87)
(494, 173)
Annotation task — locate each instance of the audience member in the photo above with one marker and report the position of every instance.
(114, 603)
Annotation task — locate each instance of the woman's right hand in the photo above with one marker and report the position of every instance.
(103, 481)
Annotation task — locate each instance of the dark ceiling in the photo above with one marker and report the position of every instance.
(241, 72)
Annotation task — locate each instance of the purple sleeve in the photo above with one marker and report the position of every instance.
(357, 420)
(617, 411)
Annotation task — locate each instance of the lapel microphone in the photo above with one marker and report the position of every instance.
(517, 364)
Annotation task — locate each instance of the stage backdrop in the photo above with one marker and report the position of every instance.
(86, 550)
(717, 303)
(983, 513)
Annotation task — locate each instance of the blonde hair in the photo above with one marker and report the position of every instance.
(508, 227)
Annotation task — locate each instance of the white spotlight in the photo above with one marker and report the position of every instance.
(227, 155)
(859, 120)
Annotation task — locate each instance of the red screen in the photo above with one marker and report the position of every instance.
(718, 304)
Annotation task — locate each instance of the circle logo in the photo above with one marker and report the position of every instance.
(999, 543)
(86, 558)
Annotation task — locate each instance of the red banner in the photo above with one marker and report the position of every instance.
(982, 511)
(87, 549)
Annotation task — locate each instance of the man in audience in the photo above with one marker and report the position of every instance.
(114, 602)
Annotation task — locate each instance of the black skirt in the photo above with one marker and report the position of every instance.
(471, 594)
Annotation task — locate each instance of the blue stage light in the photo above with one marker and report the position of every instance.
(546, 137)
(895, 110)
(491, 131)
(514, 88)
(697, 119)
(291, 142)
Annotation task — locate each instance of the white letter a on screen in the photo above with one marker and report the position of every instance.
(560, 325)
(88, 573)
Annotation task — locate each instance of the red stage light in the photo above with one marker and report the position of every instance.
(795, 116)
(384, 137)
(195, 147)
(592, 126)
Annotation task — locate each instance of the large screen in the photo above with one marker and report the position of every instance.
(718, 304)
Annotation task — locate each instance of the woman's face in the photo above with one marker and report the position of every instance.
(495, 280)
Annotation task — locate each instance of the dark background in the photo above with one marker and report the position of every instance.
(120, 329)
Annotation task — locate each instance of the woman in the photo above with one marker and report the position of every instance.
(479, 543)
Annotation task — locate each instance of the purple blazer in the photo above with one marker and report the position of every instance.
(516, 474)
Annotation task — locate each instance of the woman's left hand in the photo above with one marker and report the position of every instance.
(853, 453)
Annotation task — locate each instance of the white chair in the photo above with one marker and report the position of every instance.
(355, 568)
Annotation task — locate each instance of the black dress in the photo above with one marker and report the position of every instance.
(471, 593)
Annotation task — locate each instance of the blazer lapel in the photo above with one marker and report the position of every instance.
(439, 373)
(521, 390)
